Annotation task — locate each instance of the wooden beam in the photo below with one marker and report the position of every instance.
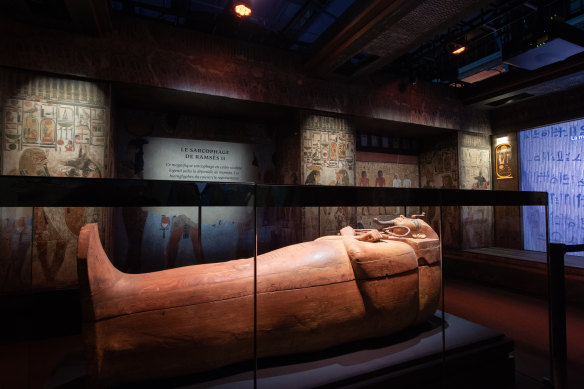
(355, 35)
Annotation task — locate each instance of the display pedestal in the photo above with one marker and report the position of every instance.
(474, 356)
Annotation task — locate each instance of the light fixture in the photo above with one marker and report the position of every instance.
(458, 49)
(242, 9)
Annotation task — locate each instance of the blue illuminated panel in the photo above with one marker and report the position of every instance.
(552, 160)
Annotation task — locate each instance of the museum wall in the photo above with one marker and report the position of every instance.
(153, 54)
(439, 169)
(477, 222)
(215, 68)
(211, 67)
(459, 160)
(538, 111)
(505, 161)
(58, 127)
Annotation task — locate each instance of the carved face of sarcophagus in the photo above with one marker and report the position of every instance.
(310, 296)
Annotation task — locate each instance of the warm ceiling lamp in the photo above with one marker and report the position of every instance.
(459, 49)
(242, 9)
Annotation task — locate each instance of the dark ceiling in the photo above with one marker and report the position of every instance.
(350, 39)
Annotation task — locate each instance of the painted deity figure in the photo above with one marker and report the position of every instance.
(313, 178)
(364, 180)
(380, 180)
(397, 183)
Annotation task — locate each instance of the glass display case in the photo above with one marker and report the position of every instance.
(244, 285)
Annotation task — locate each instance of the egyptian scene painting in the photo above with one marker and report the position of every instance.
(58, 128)
(386, 175)
(15, 248)
(475, 162)
(476, 174)
(439, 169)
(157, 238)
(328, 158)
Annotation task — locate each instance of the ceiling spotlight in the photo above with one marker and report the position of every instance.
(242, 9)
(458, 49)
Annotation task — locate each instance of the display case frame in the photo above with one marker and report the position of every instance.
(66, 192)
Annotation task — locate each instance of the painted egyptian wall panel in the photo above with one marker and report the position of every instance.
(15, 249)
(156, 238)
(439, 169)
(54, 250)
(475, 161)
(328, 151)
(476, 174)
(328, 158)
(53, 127)
(389, 175)
(287, 220)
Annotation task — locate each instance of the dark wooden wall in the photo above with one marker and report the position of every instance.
(143, 53)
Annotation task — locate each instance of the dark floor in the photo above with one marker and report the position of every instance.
(521, 318)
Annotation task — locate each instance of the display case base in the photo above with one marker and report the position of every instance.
(416, 358)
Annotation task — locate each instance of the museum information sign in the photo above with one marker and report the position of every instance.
(196, 160)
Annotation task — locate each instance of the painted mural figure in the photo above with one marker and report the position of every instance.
(134, 222)
(364, 180)
(380, 180)
(342, 177)
(33, 162)
(55, 234)
(183, 228)
(397, 183)
(448, 182)
(407, 183)
(481, 182)
(15, 246)
(313, 178)
(341, 216)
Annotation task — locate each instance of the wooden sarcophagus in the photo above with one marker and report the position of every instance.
(310, 296)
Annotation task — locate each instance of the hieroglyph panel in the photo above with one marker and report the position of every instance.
(43, 138)
(328, 158)
(552, 160)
